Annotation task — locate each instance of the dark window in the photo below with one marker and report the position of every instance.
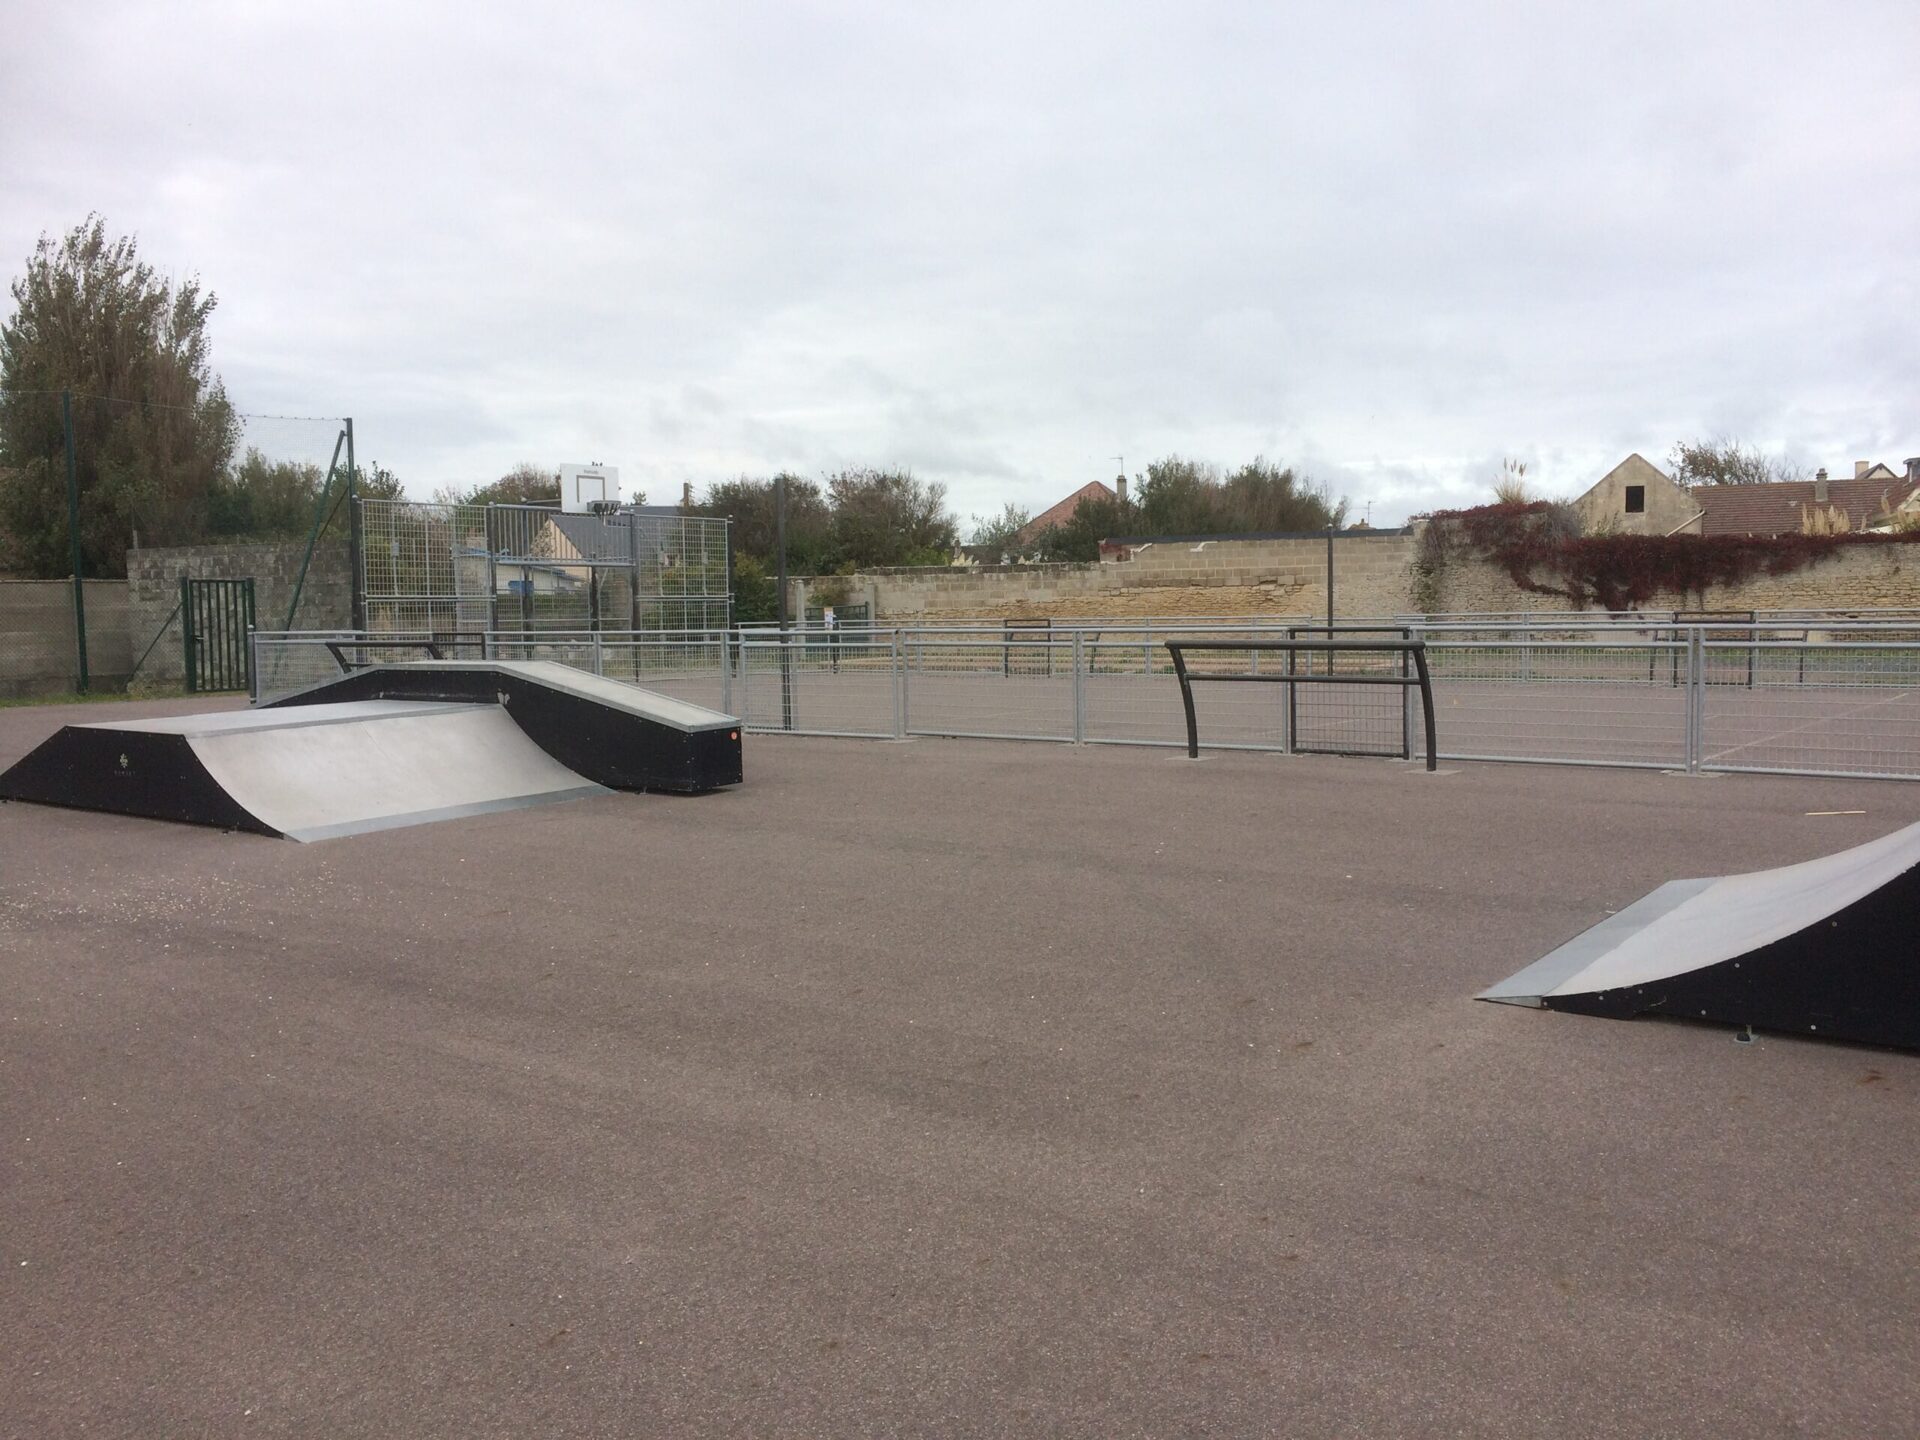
(1636, 499)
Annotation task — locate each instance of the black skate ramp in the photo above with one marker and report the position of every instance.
(1827, 948)
(617, 735)
(307, 774)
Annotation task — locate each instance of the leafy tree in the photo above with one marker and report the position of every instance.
(752, 506)
(890, 517)
(995, 536)
(375, 482)
(1729, 462)
(1261, 496)
(264, 498)
(755, 593)
(525, 484)
(153, 429)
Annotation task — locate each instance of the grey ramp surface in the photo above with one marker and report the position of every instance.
(335, 770)
(1688, 925)
(634, 699)
(226, 722)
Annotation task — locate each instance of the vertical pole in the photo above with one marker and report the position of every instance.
(356, 561)
(1079, 687)
(1329, 594)
(786, 653)
(899, 667)
(73, 541)
(187, 632)
(1696, 697)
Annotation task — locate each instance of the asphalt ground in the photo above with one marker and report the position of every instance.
(939, 1088)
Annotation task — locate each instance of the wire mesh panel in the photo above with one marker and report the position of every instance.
(424, 568)
(1603, 704)
(970, 686)
(817, 689)
(531, 568)
(1839, 709)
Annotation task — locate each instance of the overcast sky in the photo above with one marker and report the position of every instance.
(1386, 243)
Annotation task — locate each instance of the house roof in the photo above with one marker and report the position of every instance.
(1063, 512)
(1778, 509)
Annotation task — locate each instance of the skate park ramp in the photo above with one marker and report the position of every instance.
(618, 735)
(310, 774)
(1824, 948)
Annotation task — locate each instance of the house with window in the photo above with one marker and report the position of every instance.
(1636, 498)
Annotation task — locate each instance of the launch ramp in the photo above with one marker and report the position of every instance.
(615, 734)
(1822, 948)
(309, 774)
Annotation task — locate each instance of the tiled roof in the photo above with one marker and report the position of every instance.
(1778, 509)
(1063, 512)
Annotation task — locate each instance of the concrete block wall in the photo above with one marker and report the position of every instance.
(38, 654)
(153, 580)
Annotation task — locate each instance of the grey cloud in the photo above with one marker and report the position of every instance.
(1003, 244)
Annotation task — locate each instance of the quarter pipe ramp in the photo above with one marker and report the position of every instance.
(308, 774)
(1830, 947)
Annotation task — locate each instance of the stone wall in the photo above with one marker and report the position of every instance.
(1374, 575)
(153, 580)
(1162, 577)
(38, 655)
(1855, 577)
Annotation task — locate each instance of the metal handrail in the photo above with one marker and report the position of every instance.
(1417, 649)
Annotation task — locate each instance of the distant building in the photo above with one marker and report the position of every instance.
(1063, 512)
(1636, 498)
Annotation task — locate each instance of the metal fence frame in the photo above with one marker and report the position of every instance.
(1839, 696)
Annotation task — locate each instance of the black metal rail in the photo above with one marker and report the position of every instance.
(1416, 649)
(436, 647)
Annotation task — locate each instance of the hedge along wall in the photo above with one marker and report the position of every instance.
(1853, 577)
(1532, 557)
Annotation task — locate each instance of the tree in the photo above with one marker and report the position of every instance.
(525, 484)
(890, 517)
(1263, 497)
(1189, 497)
(153, 430)
(996, 536)
(264, 498)
(752, 504)
(1722, 461)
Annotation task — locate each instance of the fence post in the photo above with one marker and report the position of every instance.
(187, 637)
(73, 542)
(1696, 697)
(726, 671)
(1079, 688)
(897, 663)
(907, 661)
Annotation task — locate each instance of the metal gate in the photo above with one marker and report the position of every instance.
(216, 618)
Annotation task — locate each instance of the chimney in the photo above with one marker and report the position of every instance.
(1860, 469)
(1120, 487)
(1913, 470)
(1820, 486)
(686, 494)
